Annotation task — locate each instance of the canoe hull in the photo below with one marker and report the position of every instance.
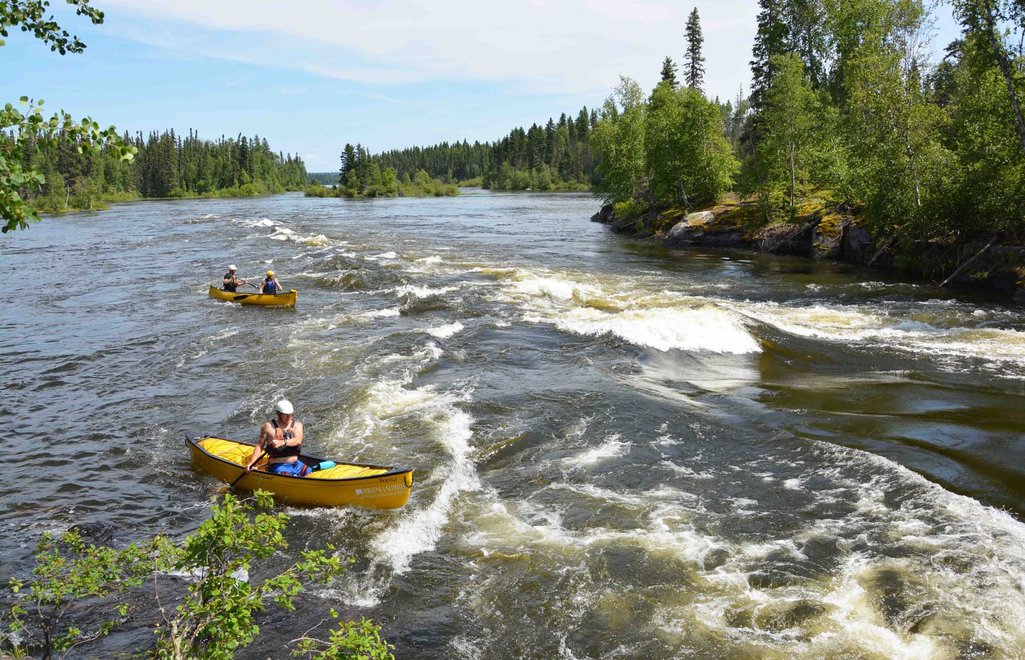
(388, 489)
(264, 299)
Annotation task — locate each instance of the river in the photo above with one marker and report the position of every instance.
(620, 450)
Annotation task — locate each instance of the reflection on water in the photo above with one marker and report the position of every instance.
(621, 450)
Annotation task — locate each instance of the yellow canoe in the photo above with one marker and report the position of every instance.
(371, 486)
(269, 299)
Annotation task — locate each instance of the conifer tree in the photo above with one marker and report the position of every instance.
(693, 61)
(770, 40)
(669, 72)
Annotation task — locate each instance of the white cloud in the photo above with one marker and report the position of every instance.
(541, 46)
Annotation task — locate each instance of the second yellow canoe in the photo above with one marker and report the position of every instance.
(267, 299)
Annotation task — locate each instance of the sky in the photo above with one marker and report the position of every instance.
(312, 75)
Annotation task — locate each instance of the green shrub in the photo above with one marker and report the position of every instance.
(215, 618)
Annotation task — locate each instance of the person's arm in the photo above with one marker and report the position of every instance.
(297, 439)
(266, 438)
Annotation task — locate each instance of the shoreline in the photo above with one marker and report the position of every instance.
(825, 234)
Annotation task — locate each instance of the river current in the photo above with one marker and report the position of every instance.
(620, 450)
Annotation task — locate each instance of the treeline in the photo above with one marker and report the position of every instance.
(556, 156)
(846, 104)
(362, 175)
(165, 165)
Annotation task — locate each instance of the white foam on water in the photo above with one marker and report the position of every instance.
(611, 448)
(445, 331)
(384, 255)
(661, 320)
(686, 471)
(707, 329)
(390, 402)
(513, 528)
(432, 264)
(858, 621)
(963, 562)
(552, 287)
(642, 499)
(382, 313)
(466, 647)
(423, 291)
(262, 222)
(940, 330)
(285, 234)
(419, 530)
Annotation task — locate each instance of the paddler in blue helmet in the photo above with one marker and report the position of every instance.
(282, 440)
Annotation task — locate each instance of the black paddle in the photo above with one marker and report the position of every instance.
(245, 472)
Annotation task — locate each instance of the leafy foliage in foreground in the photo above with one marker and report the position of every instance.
(216, 616)
(24, 128)
(69, 573)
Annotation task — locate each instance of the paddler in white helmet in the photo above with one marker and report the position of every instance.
(282, 440)
(232, 281)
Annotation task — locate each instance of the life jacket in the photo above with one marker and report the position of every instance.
(270, 286)
(231, 286)
(284, 452)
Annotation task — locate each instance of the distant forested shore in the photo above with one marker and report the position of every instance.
(362, 175)
(166, 164)
(852, 123)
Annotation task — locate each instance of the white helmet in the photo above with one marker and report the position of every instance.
(232, 267)
(284, 407)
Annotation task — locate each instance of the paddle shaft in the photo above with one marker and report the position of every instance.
(246, 471)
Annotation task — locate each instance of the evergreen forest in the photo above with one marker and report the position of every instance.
(556, 156)
(166, 164)
(362, 175)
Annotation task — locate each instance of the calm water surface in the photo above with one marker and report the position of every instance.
(621, 451)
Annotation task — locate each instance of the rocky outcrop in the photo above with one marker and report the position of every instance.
(832, 235)
(697, 229)
(604, 216)
(858, 247)
(691, 223)
(792, 239)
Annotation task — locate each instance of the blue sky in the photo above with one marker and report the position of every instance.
(311, 75)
